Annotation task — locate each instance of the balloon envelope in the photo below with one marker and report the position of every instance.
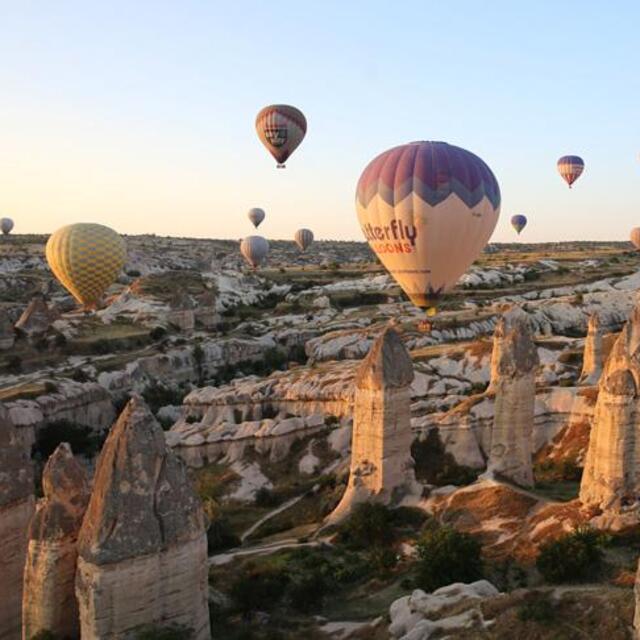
(86, 259)
(570, 168)
(427, 210)
(6, 224)
(519, 222)
(281, 129)
(303, 238)
(256, 216)
(635, 237)
(254, 249)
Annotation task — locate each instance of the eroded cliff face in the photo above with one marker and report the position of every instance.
(49, 601)
(592, 360)
(513, 381)
(16, 509)
(142, 550)
(381, 464)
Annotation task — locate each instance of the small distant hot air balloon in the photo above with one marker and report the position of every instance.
(519, 222)
(303, 238)
(570, 168)
(86, 258)
(256, 215)
(427, 210)
(254, 249)
(634, 236)
(6, 224)
(281, 129)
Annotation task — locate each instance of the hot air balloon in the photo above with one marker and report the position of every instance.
(256, 216)
(281, 129)
(86, 258)
(6, 224)
(303, 238)
(634, 236)
(254, 249)
(427, 210)
(570, 168)
(519, 222)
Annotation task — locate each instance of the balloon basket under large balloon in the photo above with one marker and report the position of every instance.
(281, 166)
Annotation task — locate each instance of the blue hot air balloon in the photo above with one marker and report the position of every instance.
(519, 222)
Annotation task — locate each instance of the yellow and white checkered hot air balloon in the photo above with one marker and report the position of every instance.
(86, 258)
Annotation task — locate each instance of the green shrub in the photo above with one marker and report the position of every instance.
(370, 524)
(574, 557)
(14, 364)
(44, 634)
(447, 556)
(436, 466)
(266, 498)
(259, 589)
(220, 535)
(81, 439)
(157, 333)
(157, 395)
(538, 608)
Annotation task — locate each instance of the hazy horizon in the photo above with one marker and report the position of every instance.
(142, 118)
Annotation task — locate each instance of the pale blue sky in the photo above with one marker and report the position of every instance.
(140, 115)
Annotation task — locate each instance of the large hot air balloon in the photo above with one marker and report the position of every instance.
(634, 236)
(256, 216)
(86, 258)
(254, 249)
(519, 222)
(281, 129)
(303, 238)
(570, 168)
(427, 210)
(6, 224)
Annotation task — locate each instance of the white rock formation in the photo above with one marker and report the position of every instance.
(593, 358)
(142, 549)
(49, 601)
(381, 462)
(16, 509)
(513, 381)
(421, 615)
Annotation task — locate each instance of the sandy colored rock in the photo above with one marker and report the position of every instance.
(381, 463)
(513, 369)
(36, 318)
(16, 509)
(592, 360)
(49, 601)
(142, 550)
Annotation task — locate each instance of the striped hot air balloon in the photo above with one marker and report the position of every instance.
(570, 168)
(634, 236)
(303, 238)
(519, 222)
(427, 210)
(86, 258)
(281, 129)
(6, 224)
(254, 249)
(256, 215)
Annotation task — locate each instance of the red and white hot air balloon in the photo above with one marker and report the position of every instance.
(281, 129)
(570, 168)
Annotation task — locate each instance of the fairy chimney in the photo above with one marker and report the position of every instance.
(592, 360)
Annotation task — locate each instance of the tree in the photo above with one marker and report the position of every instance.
(447, 556)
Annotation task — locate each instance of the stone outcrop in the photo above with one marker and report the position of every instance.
(16, 509)
(182, 312)
(7, 335)
(592, 360)
(206, 311)
(49, 601)
(36, 318)
(381, 464)
(513, 369)
(142, 549)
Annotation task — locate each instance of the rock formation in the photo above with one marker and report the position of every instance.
(381, 463)
(7, 336)
(206, 312)
(181, 313)
(592, 360)
(142, 549)
(16, 509)
(49, 601)
(36, 318)
(513, 369)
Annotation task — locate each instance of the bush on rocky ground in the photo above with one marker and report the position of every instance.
(83, 440)
(157, 632)
(434, 465)
(574, 557)
(447, 556)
